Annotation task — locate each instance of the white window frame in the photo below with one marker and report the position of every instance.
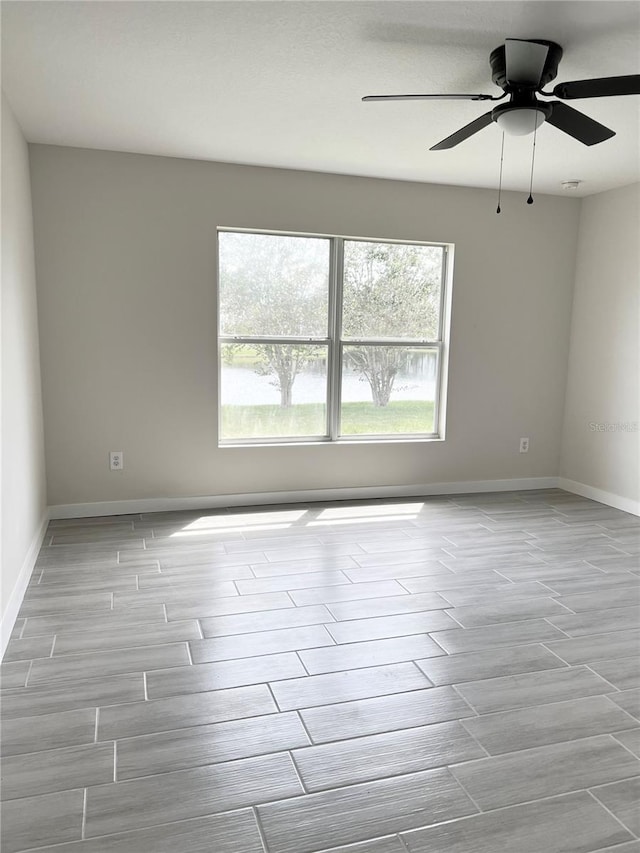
(335, 343)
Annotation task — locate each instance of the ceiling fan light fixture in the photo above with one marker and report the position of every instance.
(520, 121)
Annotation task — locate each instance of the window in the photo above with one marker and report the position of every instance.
(326, 338)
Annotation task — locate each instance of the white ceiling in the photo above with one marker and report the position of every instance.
(279, 83)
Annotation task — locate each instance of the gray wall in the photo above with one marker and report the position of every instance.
(604, 366)
(23, 475)
(125, 250)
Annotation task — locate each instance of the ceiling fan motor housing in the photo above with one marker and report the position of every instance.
(528, 103)
(497, 61)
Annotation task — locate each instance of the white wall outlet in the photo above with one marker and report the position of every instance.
(116, 460)
(524, 445)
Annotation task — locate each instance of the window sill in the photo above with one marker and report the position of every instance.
(327, 443)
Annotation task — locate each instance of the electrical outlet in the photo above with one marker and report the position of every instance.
(524, 445)
(116, 460)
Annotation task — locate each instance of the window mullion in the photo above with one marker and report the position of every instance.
(335, 330)
(270, 339)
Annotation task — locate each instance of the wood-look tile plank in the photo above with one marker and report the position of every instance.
(279, 555)
(198, 609)
(434, 571)
(232, 832)
(493, 562)
(85, 577)
(630, 847)
(618, 644)
(628, 700)
(496, 636)
(306, 580)
(630, 740)
(309, 823)
(535, 688)
(389, 606)
(622, 799)
(620, 563)
(191, 793)
(476, 580)
(597, 622)
(14, 674)
(221, 674)
(345, 686)
(477, 615)
(46, 819)
(117, 535)
(196, 709)
(384, 714)
(34, 773)
(503, 549)
(90, 549)
(176, 562)
(370, 653)
(87, 693)
(180, 553)
(261, 541)
(535, 774)
(260, 643)
(172, 594)
(391, 844)
(48, 731)
(18, 625)
(97, 664)
(124, 637)
(589, 551)
(554, 573)
(579, 583)
(107, 560)
(395, 545)
(202, 745)
(99, 620)
(362, 759)
(381, 627)
(312, 565)
(86, 584)
(617, 596)
(53, 604)
(471, 537)
(582, 536)
(510, 731)
(199, 576)
(267, 620)
(27, 649)
(96, 525)
(570, 823)
(489, 663)
(431, 559)
(496, 593)
(347, 592)
(623, 673)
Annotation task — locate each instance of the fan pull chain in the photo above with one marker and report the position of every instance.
(500, 182)
(533, 159)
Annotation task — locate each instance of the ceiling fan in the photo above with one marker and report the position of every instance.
(521, 68)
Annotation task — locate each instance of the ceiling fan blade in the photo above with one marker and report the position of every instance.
(524, 61)
(464, 133)
(430, 98)
(600, 87)
(578, 125)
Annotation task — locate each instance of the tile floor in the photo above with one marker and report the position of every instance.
(448, 675)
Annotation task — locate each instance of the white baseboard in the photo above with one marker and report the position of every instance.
(88, 510)
(625, 504)
(8, 618)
